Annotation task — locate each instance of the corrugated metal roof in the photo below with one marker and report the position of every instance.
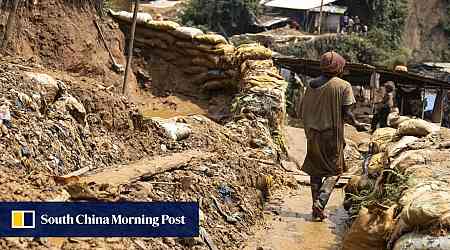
(443, 66)
(297, 4)
(330, 8)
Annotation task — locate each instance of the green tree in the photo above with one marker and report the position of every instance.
(223, 16)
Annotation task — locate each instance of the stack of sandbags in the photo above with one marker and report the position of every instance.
(206, 59)
(262, 95)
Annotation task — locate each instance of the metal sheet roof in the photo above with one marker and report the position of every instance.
(330, 8)
(297, 4)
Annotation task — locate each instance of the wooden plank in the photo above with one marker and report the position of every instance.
(143, 168)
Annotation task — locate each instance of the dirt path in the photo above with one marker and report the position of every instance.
(288, 215)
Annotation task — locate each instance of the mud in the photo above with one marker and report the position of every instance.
(290, 225)
(288, 214)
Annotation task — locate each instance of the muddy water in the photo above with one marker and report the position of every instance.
(288, 218)
(290, 225)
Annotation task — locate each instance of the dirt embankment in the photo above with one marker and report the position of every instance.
(424, 34)
(53, 123)
(62, 35)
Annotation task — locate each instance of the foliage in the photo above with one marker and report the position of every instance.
(386, 193)
(353, 47)
(223, 16)
(382, 46)
(388, 21)
(446, 27)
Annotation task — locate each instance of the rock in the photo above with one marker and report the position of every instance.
(69, 104)
(46, 84)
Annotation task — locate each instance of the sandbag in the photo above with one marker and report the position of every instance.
(395, 119)
(162, 25)
(370, 229)
(186, 32)
(191, 45)
(155, 42)
(142, 17)
(376, 164)
(381, 138)
(252, 52)
(213, 39)
(351, 151)
(151, 34)
(166, 54)
(416, 241)
(398, 147)
(418, 174)
(417, 127)
(426, 208)
(410, 158)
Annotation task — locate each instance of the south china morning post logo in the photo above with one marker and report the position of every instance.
(23, 219)
(98, 219)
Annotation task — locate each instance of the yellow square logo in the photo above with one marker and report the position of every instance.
(22, 219)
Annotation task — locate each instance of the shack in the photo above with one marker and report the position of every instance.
(307, 13)
(412, 88)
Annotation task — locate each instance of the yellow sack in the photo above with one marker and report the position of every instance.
(381, 138)
(370, 230)
(376, 163)
(162, 25)
(186, 32)
(252, 52)
(213, 39)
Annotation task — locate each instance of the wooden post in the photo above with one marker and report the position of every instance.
(438, 107)
(320, 16)
(423, 102)
(9, 25)
(130, 46)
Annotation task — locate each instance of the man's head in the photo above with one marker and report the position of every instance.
(332, 64)
(389, 86)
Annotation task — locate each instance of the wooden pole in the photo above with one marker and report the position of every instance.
(11, 21)
(320, 16)
(130, 46)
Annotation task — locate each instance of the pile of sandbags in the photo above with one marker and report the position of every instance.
(206, 59)
(370, 229)
(410, 126)
(417, 170)
(262, 95)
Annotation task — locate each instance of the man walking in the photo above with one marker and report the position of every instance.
(326, 105)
